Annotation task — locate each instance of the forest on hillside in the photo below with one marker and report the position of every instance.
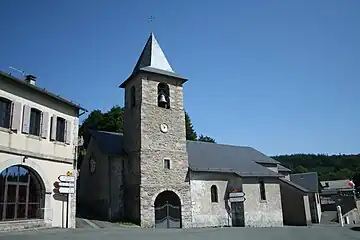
(329, 167)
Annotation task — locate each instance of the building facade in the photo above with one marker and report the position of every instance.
(153, 176)
(38, 139)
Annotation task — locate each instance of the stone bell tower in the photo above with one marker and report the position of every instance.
(155, 138)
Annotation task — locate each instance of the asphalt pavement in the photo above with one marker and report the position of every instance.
(292, 233)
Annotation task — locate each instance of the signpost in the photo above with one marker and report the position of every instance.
(66, 186)
(237, 197)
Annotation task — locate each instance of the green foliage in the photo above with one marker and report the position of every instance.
(329, 167)
(203, 138)
(190, 132)
(300, 169)
(113, 121)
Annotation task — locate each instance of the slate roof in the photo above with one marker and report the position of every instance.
(153, 60)
(308, 180)
(336, 184)
(281, 168)
(205, 156)
(41, 90)
(110, 143)
(294, 185)
(209, 157)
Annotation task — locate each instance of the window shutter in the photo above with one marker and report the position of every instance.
(53, 128)
(67, 132)
(26, 119)
(44, 124)
(16, 116)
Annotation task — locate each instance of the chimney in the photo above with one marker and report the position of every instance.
(31, 79)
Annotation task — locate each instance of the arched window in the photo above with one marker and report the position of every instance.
(214, 194)
(5, 112)
(262, 190)
(163, 95)
(21, 194)
(132, 96)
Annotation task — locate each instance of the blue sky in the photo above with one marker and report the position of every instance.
(280, 76)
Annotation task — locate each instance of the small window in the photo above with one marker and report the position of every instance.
(262, 190)
(167, 163)
(60, 129)
(132, 96)
(5, 113)
(35, 122)
(214, 194)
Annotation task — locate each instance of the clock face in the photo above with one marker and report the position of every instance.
(163, 128)
(92, 165)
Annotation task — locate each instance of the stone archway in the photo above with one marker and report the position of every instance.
(22, 194)
(168, 210)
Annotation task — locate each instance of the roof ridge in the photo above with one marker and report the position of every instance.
(221, 144)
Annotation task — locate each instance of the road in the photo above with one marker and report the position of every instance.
(286, 233)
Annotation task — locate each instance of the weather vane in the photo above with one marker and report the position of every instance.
(150, 21)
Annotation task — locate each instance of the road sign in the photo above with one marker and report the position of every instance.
(237, 199)
(66, 190)
(66, 184)
(64, 178)
(236, 194)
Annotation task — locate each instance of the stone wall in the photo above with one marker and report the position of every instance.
(132, 178)
(147, 147)
(204, 212)
(259, 213)
(117, 188)
(94, 204)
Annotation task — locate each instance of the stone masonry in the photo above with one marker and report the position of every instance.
(145, 140)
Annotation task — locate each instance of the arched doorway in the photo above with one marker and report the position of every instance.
(22, 194)
(167, 210)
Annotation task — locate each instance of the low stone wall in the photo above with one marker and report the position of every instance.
(22, 225)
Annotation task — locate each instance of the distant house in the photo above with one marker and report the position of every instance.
(38, 138)
(337, 192)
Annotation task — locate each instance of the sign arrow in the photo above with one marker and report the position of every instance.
(64, 178)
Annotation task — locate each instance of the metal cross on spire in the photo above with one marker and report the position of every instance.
(151, 20)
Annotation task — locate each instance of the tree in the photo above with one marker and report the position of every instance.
(113, 121)
(356, 178)
(300, 169)
(203, 138)
(328, 167)
(190, 132)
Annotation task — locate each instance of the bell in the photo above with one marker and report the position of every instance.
(162, 99)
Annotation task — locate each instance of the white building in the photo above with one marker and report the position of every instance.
(38, 139)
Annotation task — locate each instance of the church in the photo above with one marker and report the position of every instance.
(152, 176)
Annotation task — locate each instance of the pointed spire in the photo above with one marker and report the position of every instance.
(153, 60)
(152, 56)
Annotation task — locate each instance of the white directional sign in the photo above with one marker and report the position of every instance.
(64, 178)
(236, 194)
(66, 184)
(66, 190)
(237, 199)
